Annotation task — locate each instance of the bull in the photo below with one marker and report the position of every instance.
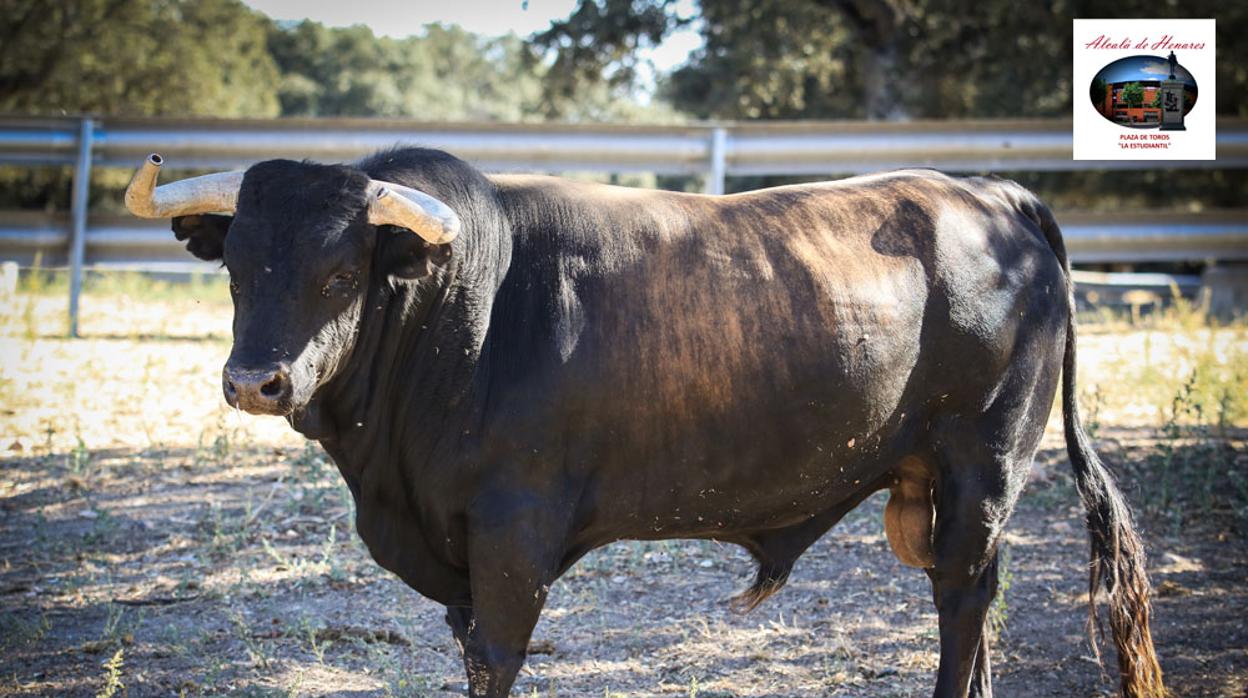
(511, 371)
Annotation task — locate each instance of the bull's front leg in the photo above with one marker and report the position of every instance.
(514, 547)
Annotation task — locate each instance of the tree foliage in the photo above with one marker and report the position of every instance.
(760, 59)
(448, 73)
(596, 52)
(1098, 91)
(135, 57)
(219, 58)
(1133, 94)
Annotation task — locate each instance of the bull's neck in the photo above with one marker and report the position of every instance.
(407, 390)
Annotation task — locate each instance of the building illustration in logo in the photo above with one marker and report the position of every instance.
(1144, 92)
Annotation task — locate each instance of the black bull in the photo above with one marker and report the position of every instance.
(585, 364)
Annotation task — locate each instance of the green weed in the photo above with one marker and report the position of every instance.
(399, 678)
(1193, 470)
(16, 632)
(112, 675)
(119, 627)
(999, 611)
(254, 647)
(78, 458)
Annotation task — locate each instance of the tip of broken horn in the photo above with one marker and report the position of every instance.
(138, 196)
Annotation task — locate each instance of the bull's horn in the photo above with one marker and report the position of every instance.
(213, 193)
(395, 204)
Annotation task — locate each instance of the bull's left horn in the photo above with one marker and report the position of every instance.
(213, 193)
(395, 204)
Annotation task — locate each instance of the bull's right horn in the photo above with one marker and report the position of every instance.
(428, 217)
(213, 193)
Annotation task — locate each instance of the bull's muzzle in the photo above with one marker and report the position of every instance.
(263, 390)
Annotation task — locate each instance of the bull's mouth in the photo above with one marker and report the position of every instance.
(279, 409)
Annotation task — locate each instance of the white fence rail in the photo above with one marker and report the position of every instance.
(713, 151)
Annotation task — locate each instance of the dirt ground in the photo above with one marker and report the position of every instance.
(153, 543)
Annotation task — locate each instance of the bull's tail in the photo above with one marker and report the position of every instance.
(1117, 552)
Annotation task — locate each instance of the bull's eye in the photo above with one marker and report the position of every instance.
(341, 281)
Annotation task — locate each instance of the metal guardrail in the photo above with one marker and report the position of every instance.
(1096, 290)
(119, 241)
(749, 148)
(715, 151)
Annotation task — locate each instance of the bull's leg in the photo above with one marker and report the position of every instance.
(513, 555)
(978, 485)
(963, 588)
(980, 682)
(981, 679)
(460, 620)
(983, 457)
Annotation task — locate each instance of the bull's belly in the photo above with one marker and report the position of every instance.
(727, 512)
(720, 482)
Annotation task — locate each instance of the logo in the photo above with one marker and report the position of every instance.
(1137, 95)
(1144, 92)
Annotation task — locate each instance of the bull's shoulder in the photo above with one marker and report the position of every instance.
(588, 215)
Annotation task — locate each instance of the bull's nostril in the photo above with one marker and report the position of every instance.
(229, 387)
(273, 388)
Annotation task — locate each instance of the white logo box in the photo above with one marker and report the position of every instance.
(1099, 42)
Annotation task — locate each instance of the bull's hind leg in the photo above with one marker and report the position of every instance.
(983, 461)
(965, 654)
(974, 500)
(963, 586)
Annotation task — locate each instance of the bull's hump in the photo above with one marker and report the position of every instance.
(523, 182)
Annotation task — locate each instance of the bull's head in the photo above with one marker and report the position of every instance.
(301, 244)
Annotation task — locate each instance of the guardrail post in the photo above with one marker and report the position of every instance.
(78, 211)
(719, 161)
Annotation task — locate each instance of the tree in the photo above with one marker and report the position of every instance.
(135, 57)
(773, 60)
(595, 51)
(448, 73)
(1133, 94)
(126, 58)
(1098, 92)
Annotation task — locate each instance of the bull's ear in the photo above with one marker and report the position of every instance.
(204, 234)
(407, 256)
